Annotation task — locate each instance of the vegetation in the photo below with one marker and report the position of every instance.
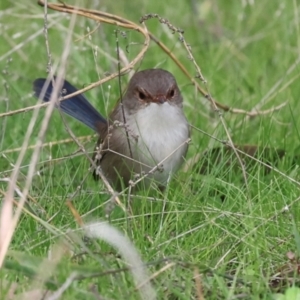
(215, 233)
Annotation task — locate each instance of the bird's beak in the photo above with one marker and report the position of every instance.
(160, 99)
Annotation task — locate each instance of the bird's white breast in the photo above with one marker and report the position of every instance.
(161, 130)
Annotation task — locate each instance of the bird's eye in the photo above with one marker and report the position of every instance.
(142, 96)
(171, 93)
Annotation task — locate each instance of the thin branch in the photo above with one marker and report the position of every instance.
(121, 94)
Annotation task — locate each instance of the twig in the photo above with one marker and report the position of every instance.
(57, 294)
(49, 64)
(50, 144)
(198, 284)
(121, 95)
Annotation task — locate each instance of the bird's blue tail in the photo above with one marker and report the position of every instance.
(78, 106)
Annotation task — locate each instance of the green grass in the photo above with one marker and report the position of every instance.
(237, 238)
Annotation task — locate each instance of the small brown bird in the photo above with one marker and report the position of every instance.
(147, 129)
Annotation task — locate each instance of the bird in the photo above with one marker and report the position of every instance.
(146, 134)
